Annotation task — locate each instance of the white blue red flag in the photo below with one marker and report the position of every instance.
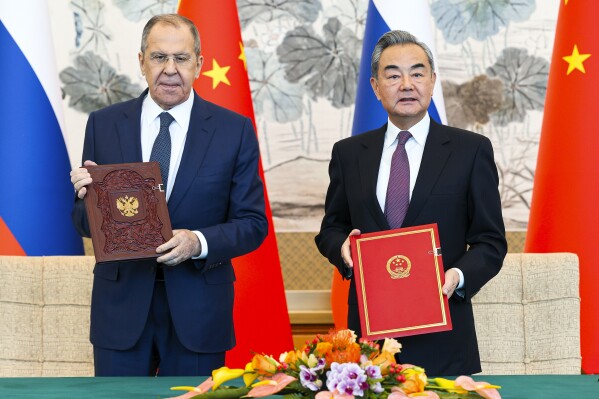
(36, 195)
(383, 16)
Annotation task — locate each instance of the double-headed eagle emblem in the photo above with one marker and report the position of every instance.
(127, 205)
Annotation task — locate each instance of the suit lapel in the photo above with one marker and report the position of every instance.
(200, 133)
(369, 161)
(129, 131)
(436, 153)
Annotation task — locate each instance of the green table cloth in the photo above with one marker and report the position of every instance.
(513, 387)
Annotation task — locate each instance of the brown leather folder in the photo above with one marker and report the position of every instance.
(127, 211)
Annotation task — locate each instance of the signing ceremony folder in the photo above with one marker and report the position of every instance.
(399, 276)
(127, 211)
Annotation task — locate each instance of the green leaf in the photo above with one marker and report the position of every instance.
(224, 393)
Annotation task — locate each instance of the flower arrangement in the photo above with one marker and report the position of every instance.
(336, 366)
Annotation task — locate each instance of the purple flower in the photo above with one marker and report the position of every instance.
(347, 378)
(373, 372)
(309, 378)
(320, 365)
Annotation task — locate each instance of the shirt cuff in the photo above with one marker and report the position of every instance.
(459, 290)
(461, 283)
(204, 244)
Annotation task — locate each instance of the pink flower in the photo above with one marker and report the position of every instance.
(398, 393)
(482, 388)
(271, 385)
(333, 395)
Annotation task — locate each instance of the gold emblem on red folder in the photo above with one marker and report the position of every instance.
(399, 266)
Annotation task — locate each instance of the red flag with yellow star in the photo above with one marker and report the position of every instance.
(260, 313)
(564, 215)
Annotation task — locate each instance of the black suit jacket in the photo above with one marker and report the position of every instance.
(456, 188)
(217, 191)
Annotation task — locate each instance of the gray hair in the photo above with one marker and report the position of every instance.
(175, 20)
(393, 38)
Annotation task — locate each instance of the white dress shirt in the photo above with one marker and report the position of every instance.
(150, 127)
(415, 149)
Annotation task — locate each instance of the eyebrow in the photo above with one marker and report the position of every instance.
(394, 67)
(175, 54)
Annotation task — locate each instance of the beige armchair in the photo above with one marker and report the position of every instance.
(528, 316)
(44, 316)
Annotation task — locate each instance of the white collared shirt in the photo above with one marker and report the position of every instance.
(150, 127)
(414, 148)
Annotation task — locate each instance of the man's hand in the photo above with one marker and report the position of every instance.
(346, 251)
(80, 178)
(452, 279)
(183, 246)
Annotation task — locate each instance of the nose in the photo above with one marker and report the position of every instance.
(406, 82)
(170, 66)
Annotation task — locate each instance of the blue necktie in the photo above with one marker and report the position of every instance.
(161, 150)
(398, 190)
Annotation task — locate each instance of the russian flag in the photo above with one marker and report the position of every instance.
(36, 195)
(383, 16)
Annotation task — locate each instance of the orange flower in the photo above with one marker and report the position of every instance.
(350, 353)
(384, 360)
(341, 339)
(415, 379)
(322, 348)
(264, 365)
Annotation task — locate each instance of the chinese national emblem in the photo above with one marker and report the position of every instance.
(399, 266)
(127, 205)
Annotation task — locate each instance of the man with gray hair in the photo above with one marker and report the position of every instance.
(174, 315)
(413, 171)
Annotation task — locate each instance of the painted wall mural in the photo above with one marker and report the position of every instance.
(303, 61)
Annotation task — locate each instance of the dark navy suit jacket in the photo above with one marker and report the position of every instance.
(217, 191)
(456, 188)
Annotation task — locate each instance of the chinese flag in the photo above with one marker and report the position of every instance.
(564, 215)
(261, 317)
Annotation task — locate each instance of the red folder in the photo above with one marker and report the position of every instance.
(399, 275)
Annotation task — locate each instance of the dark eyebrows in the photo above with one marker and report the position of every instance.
(394, 67)
(391, 67)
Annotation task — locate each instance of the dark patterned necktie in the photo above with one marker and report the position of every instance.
(398, 190)
(161, 150)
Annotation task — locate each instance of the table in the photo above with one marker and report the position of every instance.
(513, 387)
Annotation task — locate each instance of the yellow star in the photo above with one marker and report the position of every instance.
(218, 74)
(242, 55)
(575, 60)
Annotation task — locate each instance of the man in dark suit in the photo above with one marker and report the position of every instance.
(174, 315)
(446, 175)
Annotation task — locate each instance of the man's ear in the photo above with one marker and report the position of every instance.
(375, 87)
(199, 66)
(140, 57)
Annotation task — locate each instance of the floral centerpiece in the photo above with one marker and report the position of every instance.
(336, 366)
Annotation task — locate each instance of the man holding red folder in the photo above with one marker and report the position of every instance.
(413, 171)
